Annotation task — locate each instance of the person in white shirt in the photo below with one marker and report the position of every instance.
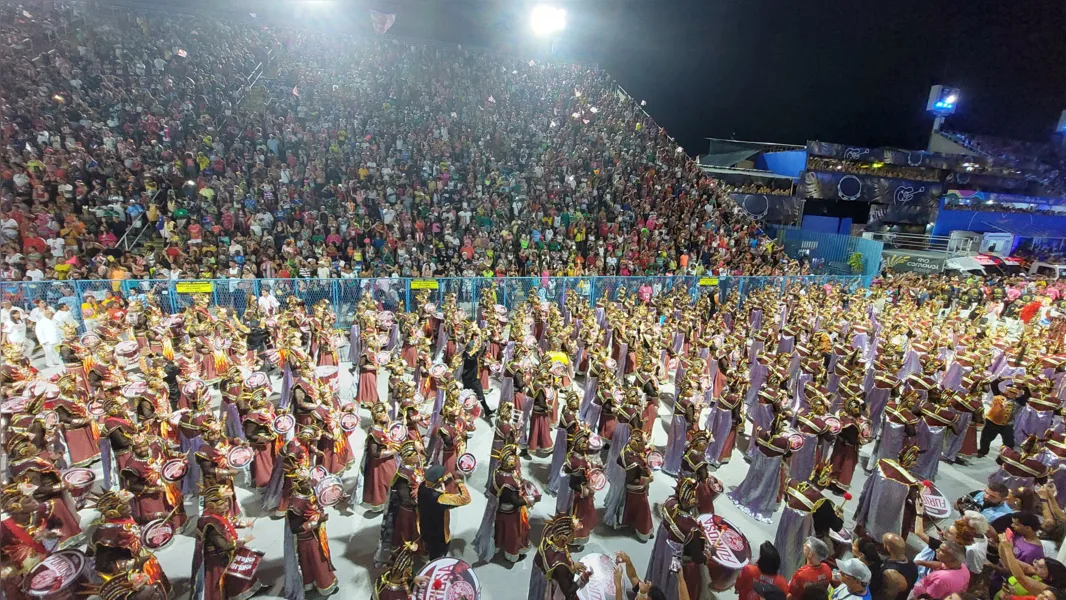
(48, 336)
(13, 332)
(35, 273)
(267, 302)
(64, 315)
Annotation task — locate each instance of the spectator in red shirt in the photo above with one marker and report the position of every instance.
(765, 570)
(814, 571)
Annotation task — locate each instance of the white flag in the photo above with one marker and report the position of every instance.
(182, 53)
(643, 103)
(491, 99)
(531, 62)
(296, 91)
(594, 110)
(577, 92)
(27, 14)
(253, 15)
(382, 21)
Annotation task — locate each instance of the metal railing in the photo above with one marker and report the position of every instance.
(830, 253)
(394, 294)
(931, 243)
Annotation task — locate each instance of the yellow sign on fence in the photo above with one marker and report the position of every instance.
(194, 287)
(708, 281)
(424, 284)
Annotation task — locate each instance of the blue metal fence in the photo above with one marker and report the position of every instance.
(397, 293)
(830, 253)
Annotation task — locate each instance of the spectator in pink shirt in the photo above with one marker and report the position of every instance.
(953, 577)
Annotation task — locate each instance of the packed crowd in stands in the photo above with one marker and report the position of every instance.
(367, 158)
(901, 172)
(1048, 159)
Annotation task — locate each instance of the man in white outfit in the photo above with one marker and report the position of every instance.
(48, 336)
(267, 302)
(64, 315)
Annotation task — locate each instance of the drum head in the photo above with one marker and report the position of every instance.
(326, 372)
(936, 505)
(79, 478)
(127, 349)
(595, 442)
(90, 340)
(240, 457)
(135, 389)
(349, 422)
(284, 424)
(655, 460)
(257, 380)
(601, 577)
(437, 371)
(833, 424)
(397, 432)
(795, 441)
(468, 398)
(157, 534)
(732, 551)
(329, 491)
(96, 409)
(54, 574)
(14, 405)
(174, 469)
(466, 463)
(597, 479)
(449, 578)
(192, 387)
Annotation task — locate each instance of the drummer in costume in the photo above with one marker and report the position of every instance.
(259, 431)
(217, 545)
(694, 466)
(24, 529)
(79, 428)
(504, 434)
(807, 512)
(77, 359)
(555, 573)
(399, 525)
(938, 421)
(899, 428)
(379, 464)
(680, 537)
(294, 457)
(505, 525)
(886, 504)
(569, 423)
(116, 546)
(451, 439)
(637, 507)
(32, 467)
(154, 498)
(309, 552)
(397, 582)
(854, 433)
(368, 370)
(541, 419)
(212, 458)
(1021, 468)
(760, 493)
(582, 497)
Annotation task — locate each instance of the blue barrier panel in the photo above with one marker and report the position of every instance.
(399, 294)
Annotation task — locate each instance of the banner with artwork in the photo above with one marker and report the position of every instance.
(909, 158)
(771, 208)
(865, 188)
(912, 214)
(913, 261)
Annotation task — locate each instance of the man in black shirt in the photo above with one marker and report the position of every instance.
(471, 372)
(434, 504)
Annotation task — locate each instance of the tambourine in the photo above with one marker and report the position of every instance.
(329, 491)
(833, 424)
(50, 418)
(174, 469)
(597, 479)
(438, 371)
(865, 431)
(385, 319)
(716, 485)
(79, 479)
(655, 460)
(557, 369)
(221, 343)
(134, 390)
(500, 309)
(795, 441)
(475, 412)
(128, 350)
(318, 473)
(43, 388)
(349, 422)
(466, 463)
(56, 576)
(612, 364)
(96, 409)
(14, 405)
(283, 424)
(397, 432)
(257, 380)
(595, 442)
(157, 534)
(239, 457)
(191, 388)
(530, 491)
(469, 399)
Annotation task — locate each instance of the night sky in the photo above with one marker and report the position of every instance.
(855, 72)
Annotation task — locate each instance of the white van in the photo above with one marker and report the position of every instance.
(1048, 270)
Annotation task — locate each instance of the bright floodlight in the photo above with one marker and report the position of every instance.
(546, 20)
(951, 99)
